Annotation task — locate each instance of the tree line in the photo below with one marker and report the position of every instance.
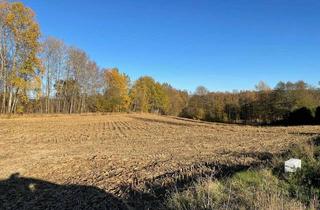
(287, 103)
(45, 75)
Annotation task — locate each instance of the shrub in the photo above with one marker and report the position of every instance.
(317, 116)
(305, 183)
(302, 116)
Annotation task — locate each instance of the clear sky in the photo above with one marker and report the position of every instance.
(221, 44)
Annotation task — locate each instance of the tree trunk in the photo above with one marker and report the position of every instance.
(59, 106)
(48, 88)
(14, 105)
(3, 106)
(71, 105)
(9, 101)
(4, 80)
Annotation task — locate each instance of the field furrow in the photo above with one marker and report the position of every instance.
(122, 152)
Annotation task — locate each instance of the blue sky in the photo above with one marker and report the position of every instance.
(221, 44)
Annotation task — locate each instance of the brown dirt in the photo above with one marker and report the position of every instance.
(122, 153)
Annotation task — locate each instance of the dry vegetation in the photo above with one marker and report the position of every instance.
(136, 157)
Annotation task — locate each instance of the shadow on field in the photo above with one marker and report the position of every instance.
(157, 189)
(27, 193)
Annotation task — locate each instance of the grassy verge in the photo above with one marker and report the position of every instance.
(268, 188)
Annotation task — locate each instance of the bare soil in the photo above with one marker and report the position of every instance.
(133, 157)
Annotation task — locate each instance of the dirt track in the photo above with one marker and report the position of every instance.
(118, 152)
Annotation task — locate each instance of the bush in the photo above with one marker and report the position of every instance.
(305, 183)
(302, 116)
(317, 117)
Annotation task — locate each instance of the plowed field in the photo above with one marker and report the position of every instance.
(129, 154)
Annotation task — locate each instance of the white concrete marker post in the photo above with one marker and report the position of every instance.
(292, 165)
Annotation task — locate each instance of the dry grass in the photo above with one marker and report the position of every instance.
(246, 190)
(119, 151)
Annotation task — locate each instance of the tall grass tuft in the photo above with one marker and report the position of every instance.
(245, 190)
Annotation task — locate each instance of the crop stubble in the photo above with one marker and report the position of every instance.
(116, 150)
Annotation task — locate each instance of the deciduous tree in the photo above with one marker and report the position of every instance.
(117, 90)
(148, 96)
(20, 46)
(53, 59)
